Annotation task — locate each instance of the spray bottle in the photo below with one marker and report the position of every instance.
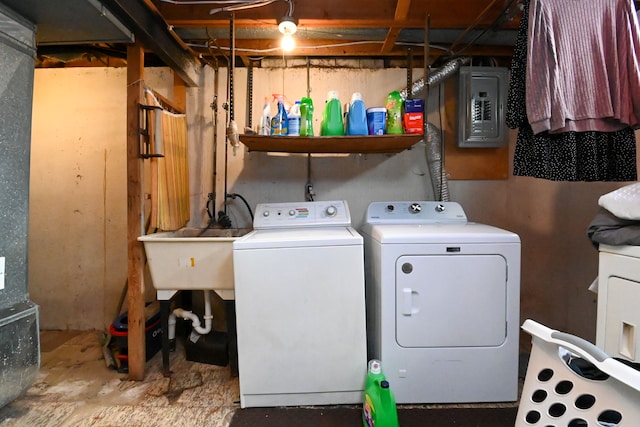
(265, 121)
(279, 121)
(379, 406)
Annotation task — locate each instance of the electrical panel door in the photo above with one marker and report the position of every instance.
(481, 107)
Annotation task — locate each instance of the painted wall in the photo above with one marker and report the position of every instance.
(78, 230)
(77, 221)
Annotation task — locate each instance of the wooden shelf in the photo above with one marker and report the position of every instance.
(331, 144)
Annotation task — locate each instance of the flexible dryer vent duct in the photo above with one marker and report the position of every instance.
(433, 142)
(434, 162)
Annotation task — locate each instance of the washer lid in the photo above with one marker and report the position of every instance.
(469, 232)
(298, 238)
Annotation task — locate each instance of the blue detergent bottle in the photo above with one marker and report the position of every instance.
(357, 116)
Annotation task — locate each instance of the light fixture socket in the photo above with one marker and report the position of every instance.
(287, 25)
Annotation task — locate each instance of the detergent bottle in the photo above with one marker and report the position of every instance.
(306, 117)
(279, 121)
(357, 116)
(394, 113)
(379, 406)
(332, 123)
(293, 123)
(265, 121)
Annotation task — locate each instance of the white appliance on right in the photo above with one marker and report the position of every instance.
(618, 325)
(443, 303)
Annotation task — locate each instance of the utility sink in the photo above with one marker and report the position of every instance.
(192, 258)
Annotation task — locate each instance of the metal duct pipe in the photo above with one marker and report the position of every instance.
(433, 150)
(436, 77)
(433, 142)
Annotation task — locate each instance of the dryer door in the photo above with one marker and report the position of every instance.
(451, 300)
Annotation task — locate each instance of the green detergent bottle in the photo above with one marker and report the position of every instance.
(379, 406)
(306, 117)
(394, 113)
(332, 123)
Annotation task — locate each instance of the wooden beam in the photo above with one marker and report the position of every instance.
(135, 301)
(402, 10)
(302, 23)
(179, 93)
(152, 31)
(333, 13)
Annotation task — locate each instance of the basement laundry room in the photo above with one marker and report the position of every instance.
(201, 227)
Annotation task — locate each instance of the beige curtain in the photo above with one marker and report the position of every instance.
(170, 174)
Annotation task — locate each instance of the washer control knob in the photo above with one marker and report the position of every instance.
(415, 208)
(265, 214)
(292, 212)
(440, 207)
(331, 210)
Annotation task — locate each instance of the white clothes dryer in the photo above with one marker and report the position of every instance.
(618, 325)
(300, 306)
(443, 302)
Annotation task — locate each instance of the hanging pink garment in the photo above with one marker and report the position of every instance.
(583, 71)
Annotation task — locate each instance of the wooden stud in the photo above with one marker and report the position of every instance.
(135, 301)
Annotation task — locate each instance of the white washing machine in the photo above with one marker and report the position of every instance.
(300, 306)
(443, 302)
(618, 326)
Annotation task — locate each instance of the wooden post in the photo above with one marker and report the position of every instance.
(179, 93)
(135, 300)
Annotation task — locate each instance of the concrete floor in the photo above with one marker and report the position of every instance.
(75, 388)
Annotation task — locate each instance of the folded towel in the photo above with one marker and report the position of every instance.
(610, 229)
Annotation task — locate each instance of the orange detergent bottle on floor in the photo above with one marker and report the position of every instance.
(379, 406)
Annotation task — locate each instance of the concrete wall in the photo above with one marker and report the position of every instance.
(77, 222)
(78, 230)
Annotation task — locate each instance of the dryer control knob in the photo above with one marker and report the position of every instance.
(440, 208)
(415, 208)
(331, 211)
(265, 213)
(292, 212)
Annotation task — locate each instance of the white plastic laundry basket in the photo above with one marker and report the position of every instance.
(572, 383)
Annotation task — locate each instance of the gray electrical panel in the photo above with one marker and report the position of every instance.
(481, 107)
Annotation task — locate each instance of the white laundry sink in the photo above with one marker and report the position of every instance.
(192, 258)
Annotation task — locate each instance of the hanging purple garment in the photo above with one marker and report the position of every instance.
(569, 156)
(586, 69)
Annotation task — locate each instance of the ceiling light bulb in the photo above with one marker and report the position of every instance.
(287, 26)
(287, 43)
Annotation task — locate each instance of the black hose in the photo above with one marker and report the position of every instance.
(234, 195)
